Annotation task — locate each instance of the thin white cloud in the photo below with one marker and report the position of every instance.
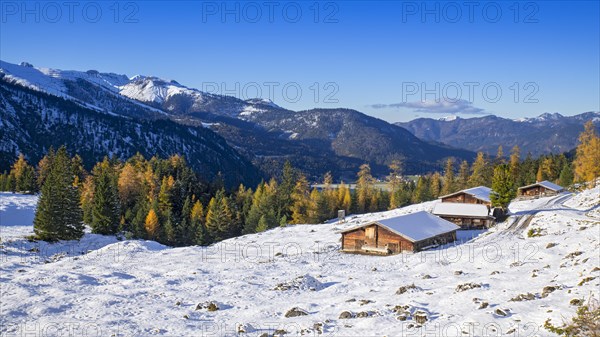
(441, 107)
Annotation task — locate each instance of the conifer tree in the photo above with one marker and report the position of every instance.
(87, 198)
(329, 196)
(105, 202)
(23, 176)
(263, 202)
(587, 157)
(152, 223)
(448, 180)
(395, 183)
(44, 167)
(364, 186)
(500, 156)
(197, 219)
(435, 185)
(301, 198)
(503, 187)
(463, 175)
(262, 224)
(422, 192)
(3, 178)
(316, 207)
(347, 201)
(78, 170)
(344, 198)
(566, 175)
(478, 177)
(243, 204)
(515, 160)
(540, 174)
(285, 190)
(58, 215)
(130, 186)
(219, 219)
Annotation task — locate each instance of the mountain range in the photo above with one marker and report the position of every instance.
(97, 114)
(547, 133)
(315, 141)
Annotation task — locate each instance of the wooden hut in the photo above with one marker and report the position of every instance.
(475, 195)
(539, 189)
(411, 232)
(467, 216)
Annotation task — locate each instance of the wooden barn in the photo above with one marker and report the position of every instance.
(540, 189)
(411, 232)
(475, 195)
(467, 216)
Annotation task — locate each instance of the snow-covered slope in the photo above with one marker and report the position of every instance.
(52, 80)
(99, 90)
(499, 283)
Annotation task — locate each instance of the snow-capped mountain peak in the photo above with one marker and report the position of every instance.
(449, 118)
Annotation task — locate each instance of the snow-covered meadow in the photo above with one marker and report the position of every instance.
(503, 282)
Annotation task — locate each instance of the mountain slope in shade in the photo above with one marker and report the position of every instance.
(316, 141)
(547, 133)
(32, 121)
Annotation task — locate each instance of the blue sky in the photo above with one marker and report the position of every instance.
(393, 60)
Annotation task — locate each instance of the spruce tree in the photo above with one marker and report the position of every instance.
(503, 187)
(105, 202)
(197, 219)
(566, 175)
(262, 224)
(422, 192)
(58, 215)
(184, 231)
(219, 219)
(285, 191)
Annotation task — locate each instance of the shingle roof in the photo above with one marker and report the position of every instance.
(415, 226)
(457, 208)
(479, 192)
(546, 184)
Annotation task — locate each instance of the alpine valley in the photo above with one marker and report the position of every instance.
(96, 113)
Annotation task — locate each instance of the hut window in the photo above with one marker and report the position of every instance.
(370, 233)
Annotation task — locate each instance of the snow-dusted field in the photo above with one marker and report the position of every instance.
(101, 286)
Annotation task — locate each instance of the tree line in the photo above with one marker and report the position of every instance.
(166, 201)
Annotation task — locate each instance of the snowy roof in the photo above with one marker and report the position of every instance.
(457, 208)
(546, 184)
(479, 192)
(415, 226)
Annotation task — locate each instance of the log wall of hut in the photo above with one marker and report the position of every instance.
(377, 237)
(436, 240)
(469, 222)
(464, 198)
(536, 191)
